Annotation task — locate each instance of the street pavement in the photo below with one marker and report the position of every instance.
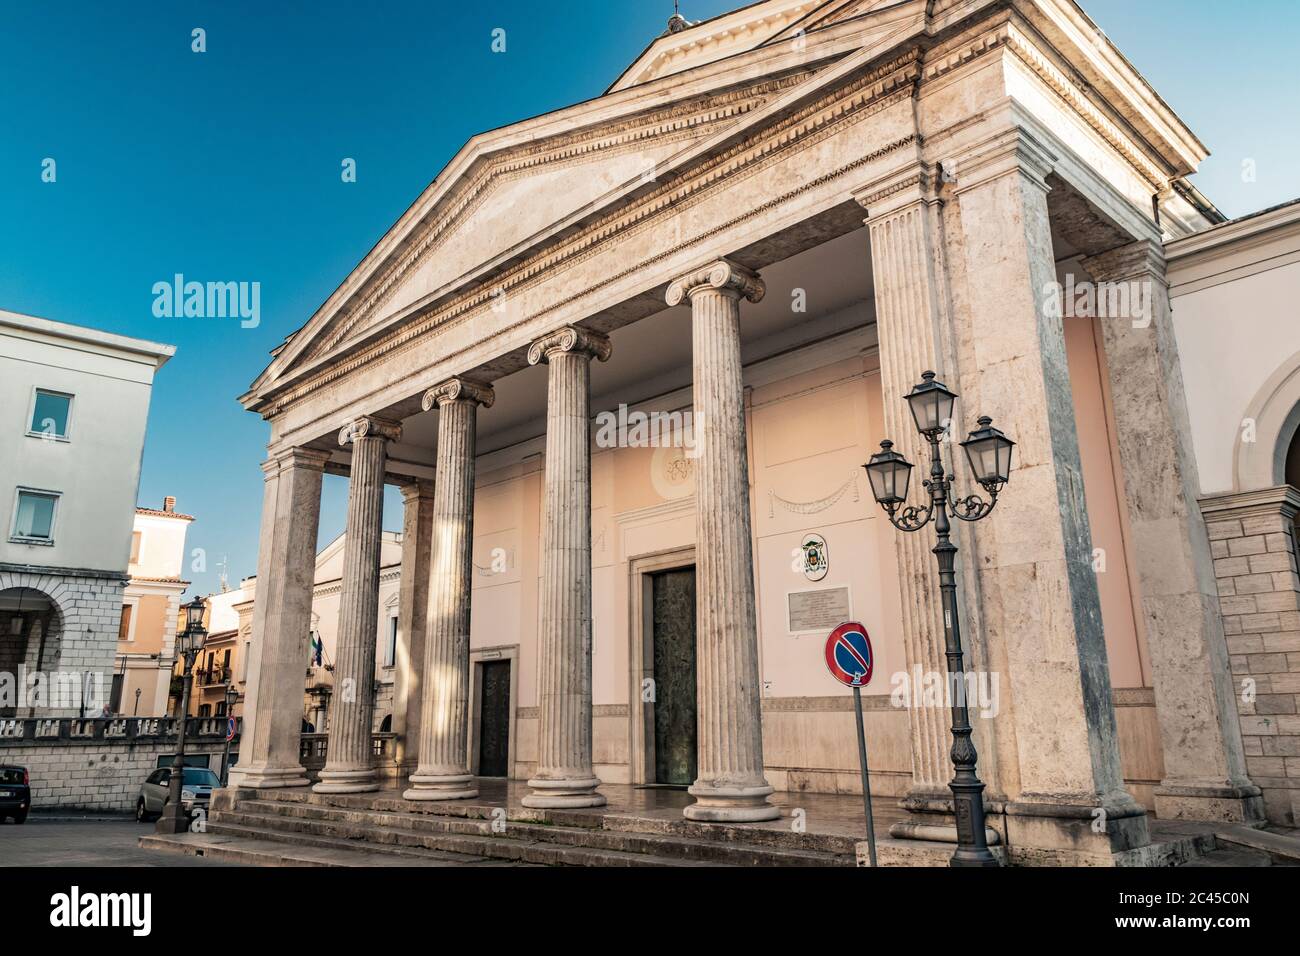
(84, 842)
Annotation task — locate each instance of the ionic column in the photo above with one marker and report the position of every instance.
(564, 776)
(412, 623)
(1205, 764)
(350, 764)
(443, 772)
(286, 569)
(731, 785)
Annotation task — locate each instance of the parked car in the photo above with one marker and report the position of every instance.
(196, 792)
(15, 792)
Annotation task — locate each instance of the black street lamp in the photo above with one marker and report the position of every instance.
(175, 818)
(988, 452)
(232, 697)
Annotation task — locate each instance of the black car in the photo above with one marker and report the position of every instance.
(15, 793)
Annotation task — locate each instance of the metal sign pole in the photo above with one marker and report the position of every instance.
(866, 777)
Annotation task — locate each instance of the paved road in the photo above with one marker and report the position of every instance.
(84, 843)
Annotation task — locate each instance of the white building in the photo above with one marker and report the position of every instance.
(73, 408)
(1233, 290)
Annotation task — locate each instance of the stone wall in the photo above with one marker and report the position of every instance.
(99, 764)
(1253, 538)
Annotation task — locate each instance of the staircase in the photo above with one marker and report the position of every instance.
(246, 824)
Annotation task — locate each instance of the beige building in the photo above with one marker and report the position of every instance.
(769, 227)
(151, 601)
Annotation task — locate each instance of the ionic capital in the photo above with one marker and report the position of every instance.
(570, 338)
(458, 390)
(722, 276)
(369, 427)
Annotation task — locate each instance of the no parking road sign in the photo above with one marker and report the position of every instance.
(849, 659)
(848, 654)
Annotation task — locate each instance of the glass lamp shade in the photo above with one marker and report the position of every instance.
(191, 640)
(194, 614)
(889, 473)
(989, 454)
(931, 405)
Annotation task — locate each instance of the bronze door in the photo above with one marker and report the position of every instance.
(674, 676)
(494, 720)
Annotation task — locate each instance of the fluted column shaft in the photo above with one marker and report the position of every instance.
(412, 623)
(564, 776)
(730, 785)
(350, 765)
(911, 323)
(443, 772)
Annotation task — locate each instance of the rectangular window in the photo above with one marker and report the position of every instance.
(243, 661)
(34, 517)
(124, 628)
(50, 413)
(390, 652)
(135, 547)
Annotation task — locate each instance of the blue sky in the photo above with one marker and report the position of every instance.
(225, 166)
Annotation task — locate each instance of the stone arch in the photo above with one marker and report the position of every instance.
(1275, 412)
(31, 634)
(1292, 466)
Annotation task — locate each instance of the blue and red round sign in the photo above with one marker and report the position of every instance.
(848, 654)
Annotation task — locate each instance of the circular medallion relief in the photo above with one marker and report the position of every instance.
(672, 472)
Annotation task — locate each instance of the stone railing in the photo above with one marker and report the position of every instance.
(313, 751)
(17, 731)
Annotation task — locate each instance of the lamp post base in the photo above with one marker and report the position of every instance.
(174, 819)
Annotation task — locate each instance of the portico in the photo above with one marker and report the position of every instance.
(775, 229)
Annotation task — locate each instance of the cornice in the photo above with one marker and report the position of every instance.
(853, 100)
(1266, 501)
(680, 121)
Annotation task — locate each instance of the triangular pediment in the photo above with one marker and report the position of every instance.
(505, 189)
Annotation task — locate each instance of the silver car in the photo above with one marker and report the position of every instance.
(196, 792)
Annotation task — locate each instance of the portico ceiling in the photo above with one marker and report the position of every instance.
(653, 356)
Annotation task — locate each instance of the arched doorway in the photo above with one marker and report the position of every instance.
(30, 628)
(1293, 461)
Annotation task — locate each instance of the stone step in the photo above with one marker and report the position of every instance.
(396, 840)
(658, 844)
(260, 849)
(1231, 857)
(1282, 848)
(782, 838)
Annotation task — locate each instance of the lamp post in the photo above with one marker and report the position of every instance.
(174, 817)
(232, 696)
(988, 452)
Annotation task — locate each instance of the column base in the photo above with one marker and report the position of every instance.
(347, 781)
(433, 786)
(569, 793)
(730, 804)
(1217, 803)
(1115, 833)
(267, 778)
